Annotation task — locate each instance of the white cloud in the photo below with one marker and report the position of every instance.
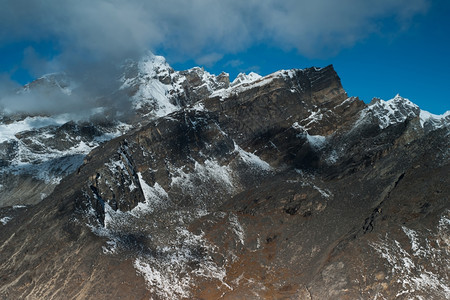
(209, 59)
(110, 28)
(234, 63)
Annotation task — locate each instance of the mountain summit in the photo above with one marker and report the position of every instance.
(266, 187)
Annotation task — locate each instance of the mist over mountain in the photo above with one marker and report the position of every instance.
(173, 184)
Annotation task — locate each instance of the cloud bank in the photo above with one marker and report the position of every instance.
(121, 27)
(92, 35)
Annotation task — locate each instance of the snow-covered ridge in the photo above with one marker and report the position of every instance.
(243, 86)
(245, 78)
(9, 131)
(437, 121)
(159, 90)
(245, 82)
(162, 90)
(399, 109)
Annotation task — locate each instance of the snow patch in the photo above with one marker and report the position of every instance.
(418, 271)
(236, 227)
(18, 206)
(166, 284)
(316, 141)
(314, 117)
(154, 196)
(5, 220)
(170, 275)
(199, 107)
(285, 73)
(252, 159)
(415, 245)
(348, 100)
(332, 158)
(209, 170)
(307, 181)
(297, 126)
(325, 193)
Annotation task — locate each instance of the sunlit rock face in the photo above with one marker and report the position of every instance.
(268, 187)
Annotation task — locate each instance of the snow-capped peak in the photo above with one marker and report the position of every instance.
(151, 82)
(396, 103)
(154, 65)
(49, 81)
(399, 109)
(245, 78)
(158, 90)
(393, 111)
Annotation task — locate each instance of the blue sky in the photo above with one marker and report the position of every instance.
(378, 48)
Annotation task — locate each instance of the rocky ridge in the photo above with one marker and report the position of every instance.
(37, 150)
(267, 187)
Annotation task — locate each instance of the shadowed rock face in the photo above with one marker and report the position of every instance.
(278, 188)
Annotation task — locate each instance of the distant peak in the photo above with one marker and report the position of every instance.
(404, 101)
(59, 80)
(396, 101)
(393, 111)
(245, 78)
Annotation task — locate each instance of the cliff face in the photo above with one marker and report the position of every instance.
(267, 187)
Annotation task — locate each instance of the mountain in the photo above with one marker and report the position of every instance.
(274, 187)
(38, 149)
